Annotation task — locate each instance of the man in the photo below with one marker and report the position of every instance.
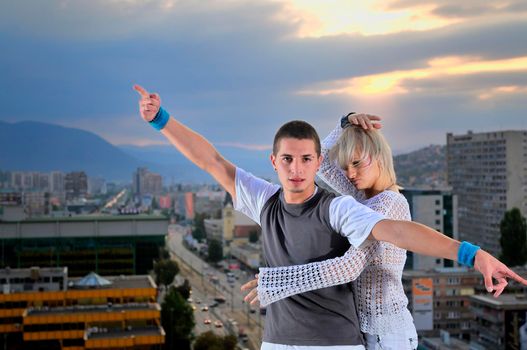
(299, 222)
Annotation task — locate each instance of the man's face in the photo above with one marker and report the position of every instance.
(296, 163)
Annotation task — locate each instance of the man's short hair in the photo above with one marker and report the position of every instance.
(296, 129)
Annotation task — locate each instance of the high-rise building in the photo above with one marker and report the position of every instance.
(17, 179)
(153, 184)
(436, 209)
(138, 180)
(44, 182)
(499, 323)
(439, 300)
(189, 205)
(57, 182)
(76, 185)
(488, 173)
(146, 182)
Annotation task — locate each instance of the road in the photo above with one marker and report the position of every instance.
(234, 313)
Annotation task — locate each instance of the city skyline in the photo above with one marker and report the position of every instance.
(236, 70)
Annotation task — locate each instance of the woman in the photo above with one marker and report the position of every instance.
(358, 162)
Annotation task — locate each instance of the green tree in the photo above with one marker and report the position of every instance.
(513, 239)
(184, 289)
(215, 251)
(165, 271)
(211, 341)
(253, 236)
(164, 253)
(154, 204)
(177, 318)
(199, 226)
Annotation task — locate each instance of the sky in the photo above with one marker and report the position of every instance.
(236, 70)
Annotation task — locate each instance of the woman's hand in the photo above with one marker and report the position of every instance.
(366, 121)
(252, 287)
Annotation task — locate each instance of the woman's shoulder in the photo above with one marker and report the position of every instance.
(389, 199)
(390, 195)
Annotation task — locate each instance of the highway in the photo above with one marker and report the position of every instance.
(209, 283)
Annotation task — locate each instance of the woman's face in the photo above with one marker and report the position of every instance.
(363, 173)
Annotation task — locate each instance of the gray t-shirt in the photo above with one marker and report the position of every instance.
(301, 233)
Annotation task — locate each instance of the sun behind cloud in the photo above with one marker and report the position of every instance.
(323, 18)
(393, 82)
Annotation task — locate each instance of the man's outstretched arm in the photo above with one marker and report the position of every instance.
(191, 144)
(421, 239)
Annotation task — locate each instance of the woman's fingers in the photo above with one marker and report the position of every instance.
(250, 285)
(366, 121)
(251, 296)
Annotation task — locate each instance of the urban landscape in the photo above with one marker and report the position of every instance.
(160, 159)
(72, 244)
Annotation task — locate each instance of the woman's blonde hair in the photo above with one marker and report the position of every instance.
(368, 143)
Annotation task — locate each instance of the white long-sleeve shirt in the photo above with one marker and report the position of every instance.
(376, 269)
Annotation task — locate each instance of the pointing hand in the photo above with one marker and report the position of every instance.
(148, 104)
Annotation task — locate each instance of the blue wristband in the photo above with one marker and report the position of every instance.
(466, 253)
(160, 120)
(344, 121)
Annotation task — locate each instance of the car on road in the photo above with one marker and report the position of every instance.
(242, 335)
(218, 324)
(220, 299)
(214, 304)
(198, 301)
(207, 321)
(205, 308)
(193, 307)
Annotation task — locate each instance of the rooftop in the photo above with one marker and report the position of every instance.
(504, 301)
(441, 272)
(102, 333)
(84, 218)
(92, 309)
(119, 282)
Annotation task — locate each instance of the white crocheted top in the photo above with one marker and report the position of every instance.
(375, 268)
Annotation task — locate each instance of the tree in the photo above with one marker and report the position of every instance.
(165, 271)
(164, 253)
(177, 318)
(154, 204)
(253, 236)
(513, 239)
(211, 341)
(215, 251)
(199, 226)
(184, 289)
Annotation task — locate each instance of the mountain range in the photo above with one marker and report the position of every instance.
(36, 146)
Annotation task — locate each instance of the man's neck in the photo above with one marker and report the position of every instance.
(299, 197)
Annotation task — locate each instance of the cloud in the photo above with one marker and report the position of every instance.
(232, 69)
(443, 70)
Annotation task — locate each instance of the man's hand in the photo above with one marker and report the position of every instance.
(367, 121)
(490, 267)
(148, 104)
(252, 286)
